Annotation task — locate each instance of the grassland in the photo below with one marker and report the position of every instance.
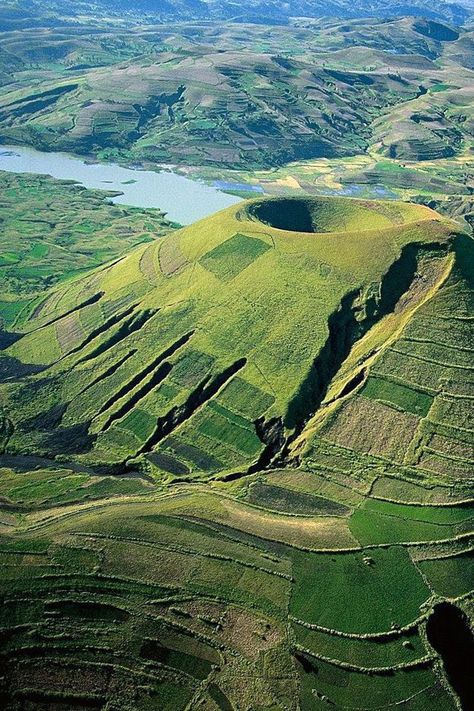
(236, 459)
(216, 497)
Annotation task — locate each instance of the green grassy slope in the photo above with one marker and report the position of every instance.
(153, 357)
(420, 381)
(261, 441)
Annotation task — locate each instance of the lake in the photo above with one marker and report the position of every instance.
(183, 199)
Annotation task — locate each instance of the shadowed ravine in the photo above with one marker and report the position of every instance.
(449, 632)
(349, 323)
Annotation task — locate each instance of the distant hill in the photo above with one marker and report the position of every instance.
(20, 13)
(240, 96)
(276, 10)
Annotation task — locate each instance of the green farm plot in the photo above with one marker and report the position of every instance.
(402, 490)
(450, 576)
(354, 428)
(167, 696)
(225, 430)
(99, 612)
(55, 486)
(10, 310)
(428, 328)
(178, 659)
(321, 484)
(191, 369)
(232, 256)
(340, 687)
(8, 258)
(429, 350)
(242, 397)
(166, 462)
(357, 592)
(48, 487)
(194, 537)
(205, 453)
(140, 422)
(201, 575)
(233, 417)
(416, 402)
(440, 87)
(250, 588)
(414, 372)
(445, 465)
(75, 558)
(286, 500)
(454, 409)
(196, 457)
(365, 653)
(385, 522)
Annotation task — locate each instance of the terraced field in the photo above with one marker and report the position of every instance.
(237, 469)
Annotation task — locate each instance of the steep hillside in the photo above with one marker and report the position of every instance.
(154, 354)
(417, 384)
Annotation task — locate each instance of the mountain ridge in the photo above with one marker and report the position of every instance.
(273, 12)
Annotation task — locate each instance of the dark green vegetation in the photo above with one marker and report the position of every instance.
(53, 231)
(237, 469)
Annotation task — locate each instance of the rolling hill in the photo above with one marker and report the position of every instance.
(239, 96)
(237, 469)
